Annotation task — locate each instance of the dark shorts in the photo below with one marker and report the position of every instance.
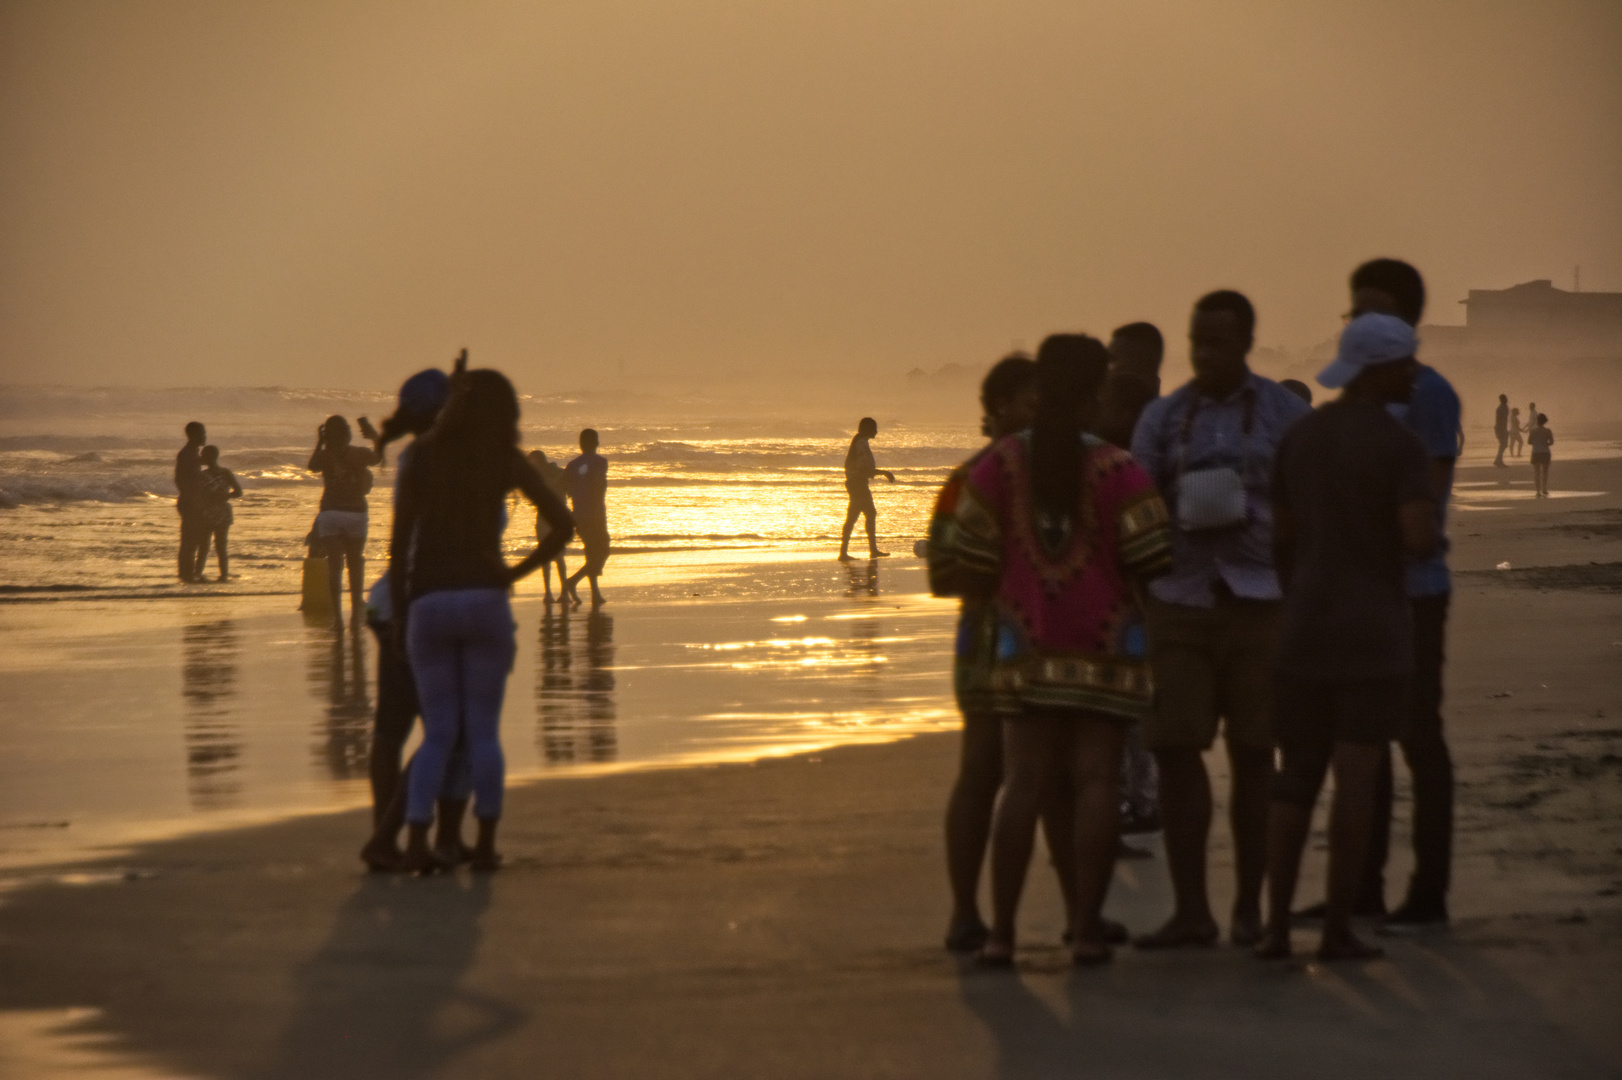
(861, 498)
(1311, 714)
(1211, 665)
(594, 538)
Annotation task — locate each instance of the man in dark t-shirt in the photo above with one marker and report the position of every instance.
(1352, 497)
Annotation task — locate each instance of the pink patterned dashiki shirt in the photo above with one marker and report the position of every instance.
(1069, 634)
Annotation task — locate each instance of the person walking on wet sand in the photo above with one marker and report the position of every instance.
(449, 579)
(1352, 497)
(217, 486)
(1053, 527)
(860, 469)
(340, 527)
(1213, 620)
(188, 474)
(558, 480)
(1500, 428)
(588, 494)
(1516, 432)
(1541, 440)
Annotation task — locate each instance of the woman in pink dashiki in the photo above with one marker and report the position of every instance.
(1057, 529)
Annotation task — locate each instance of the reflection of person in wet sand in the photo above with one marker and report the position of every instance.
(216, 486)
(860, 469)
(558, 480)
(588, 493)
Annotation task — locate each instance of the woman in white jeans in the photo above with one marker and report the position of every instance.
(340, 527)
(449, 514)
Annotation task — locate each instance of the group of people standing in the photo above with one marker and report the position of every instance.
(440, 611)
(205, 489)
(1221, 559)
(1508, 429)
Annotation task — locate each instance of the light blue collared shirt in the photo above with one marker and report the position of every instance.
(1241, 556)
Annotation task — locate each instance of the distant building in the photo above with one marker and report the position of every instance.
(1532, 320)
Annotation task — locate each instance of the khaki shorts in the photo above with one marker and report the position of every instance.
(1211, 664)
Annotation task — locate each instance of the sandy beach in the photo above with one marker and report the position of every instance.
(693, 917)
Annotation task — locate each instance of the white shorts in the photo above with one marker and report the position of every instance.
(346, 524)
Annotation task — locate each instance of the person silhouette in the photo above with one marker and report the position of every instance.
(217, 486)
(340, 527)
(588, 494)
(1500, 429)
(558, 480)
(188, 472)
(860, 469)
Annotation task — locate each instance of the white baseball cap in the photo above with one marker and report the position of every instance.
(1368, 340)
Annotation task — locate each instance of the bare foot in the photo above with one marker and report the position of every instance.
(1272, 947)
(876, 554)
(843, 557)
(1245, 930)
(995, 953)
(425, 862)
(1090, 953)
(381, 858)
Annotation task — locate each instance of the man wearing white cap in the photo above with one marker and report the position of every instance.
(1352, 499)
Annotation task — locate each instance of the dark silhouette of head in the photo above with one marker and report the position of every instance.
(1008, 396)
(196, 434)
(1503, 399)
(1219, 336)
(589, 441)
(1388, 287)
(1543, 419)
(421, 397)
(537, 457)
(1070, 368)
(481, 417)
(1138, 347)
(209, 454)
(1298, 388)
(336, 432)
(868, 428)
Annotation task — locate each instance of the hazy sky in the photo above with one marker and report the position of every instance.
(333, 193)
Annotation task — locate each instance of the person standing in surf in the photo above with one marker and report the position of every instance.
(860, 469)
(588, 493)
(558, 481)
(340, 527)
(188, 476)
(217, 486)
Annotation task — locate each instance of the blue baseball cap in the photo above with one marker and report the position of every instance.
(424, 394)
(1367, 341)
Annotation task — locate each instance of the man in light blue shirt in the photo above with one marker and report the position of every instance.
(1213, 619)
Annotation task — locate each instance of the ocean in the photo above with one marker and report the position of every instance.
(88, 497)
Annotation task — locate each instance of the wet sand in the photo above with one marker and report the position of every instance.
(783, 918)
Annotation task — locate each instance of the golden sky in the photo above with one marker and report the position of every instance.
(331, 193)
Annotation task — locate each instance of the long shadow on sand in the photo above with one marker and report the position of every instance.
(410, 943)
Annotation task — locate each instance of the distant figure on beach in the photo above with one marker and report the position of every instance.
(1053, 527)
(420, 399)
(216, 487)
(1136, 351)
(1298, 388)
(340, 527)
(558, 480)
(1541, 440)
(1213, 619)
(860, 469)
(449, 577)
(1434, 413)
(1515, 432)
(1500, 428)
(188, 471)
(1352, 497)
(588, 494)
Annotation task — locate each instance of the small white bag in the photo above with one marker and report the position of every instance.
(1210, 499)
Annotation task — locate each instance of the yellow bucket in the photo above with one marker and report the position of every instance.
(317, 603)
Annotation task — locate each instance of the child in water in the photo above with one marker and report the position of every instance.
(1540, 438)
(1515, 431)
(216, 488)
